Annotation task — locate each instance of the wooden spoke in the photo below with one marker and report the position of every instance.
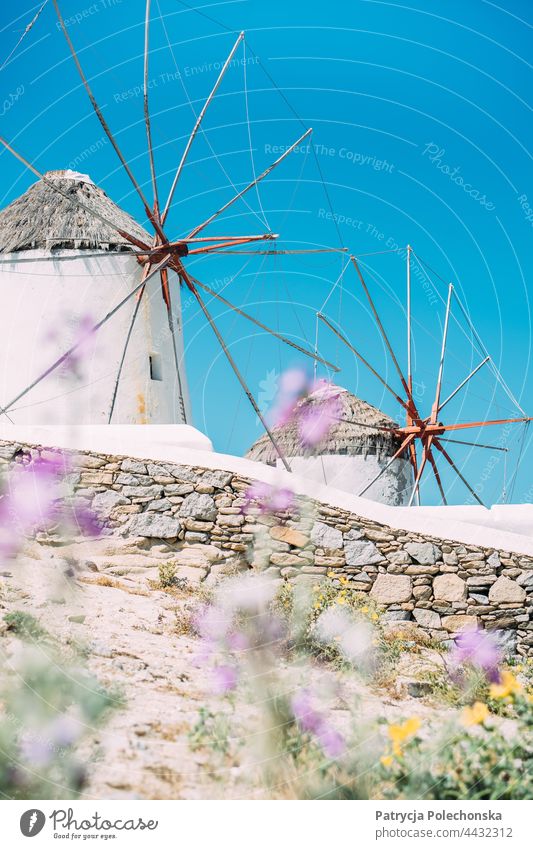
(246, 240)
(172, 329)
(74, 201)
(155, 270)
(414, 464)
(235, 368)
(425, 452)
(147, 111)
(384, 335)
(285, 252)
(360, 357)
(258, 323)
(125, 351)
(437, 476)
(149, 212)
(257, 180)
(457, 472)
(467, 425)
(197, 127)
(395, 456)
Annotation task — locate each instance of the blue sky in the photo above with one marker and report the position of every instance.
(421, 114)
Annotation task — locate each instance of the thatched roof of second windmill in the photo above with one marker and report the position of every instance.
(43, 218)
(355, 433)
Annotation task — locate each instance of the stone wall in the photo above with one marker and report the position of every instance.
(441, 585)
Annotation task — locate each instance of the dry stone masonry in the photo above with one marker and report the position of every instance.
(440, 585)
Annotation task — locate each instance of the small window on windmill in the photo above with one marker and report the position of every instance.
(156, 367)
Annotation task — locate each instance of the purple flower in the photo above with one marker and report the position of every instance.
(268, 499)
(36, 751)
(84, 339)
(86, 520)
(481, 650)
(313, 722)
(237, 641)
(293, 385)
(332, 742)
(316, 420)
(305, 714)
(224, 679)
(31, 500)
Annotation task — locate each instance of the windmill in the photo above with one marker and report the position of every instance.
(159, 255)
(424, 435)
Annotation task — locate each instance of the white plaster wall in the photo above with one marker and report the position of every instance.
(353, 473)
(43, 297)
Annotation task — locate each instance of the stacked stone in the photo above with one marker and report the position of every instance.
(440, 585)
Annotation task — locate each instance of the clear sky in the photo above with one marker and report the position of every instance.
(421, 114)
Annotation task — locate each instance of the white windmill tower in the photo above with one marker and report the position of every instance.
(61, 269)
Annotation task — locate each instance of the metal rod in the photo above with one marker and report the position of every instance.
(146, 109)
(360, 357)
(197, 127)
(457, 472)
(235, 368)
(463, 383)
(409, 372)
(395, 456)
(435, 409)
(258, 323)
(105, 126)
(473, 444)
(240, 194)
(93, 329)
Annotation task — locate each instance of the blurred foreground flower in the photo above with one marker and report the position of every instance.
(266, 499)
(312, 406)
(35, 497)
(481, 650)
(400, 734)
(475, 714)
(508, 686)
(312, 721)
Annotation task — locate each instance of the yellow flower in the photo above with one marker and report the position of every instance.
(400, 733)
(375, 617)
(387, 760)
(507, 687)
(317, 605)
(364, 609)
(331, 574)
(476, 714)
(343, 580)
(340, 599)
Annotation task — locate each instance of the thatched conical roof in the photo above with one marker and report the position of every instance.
(42, 218)
(354, 433)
